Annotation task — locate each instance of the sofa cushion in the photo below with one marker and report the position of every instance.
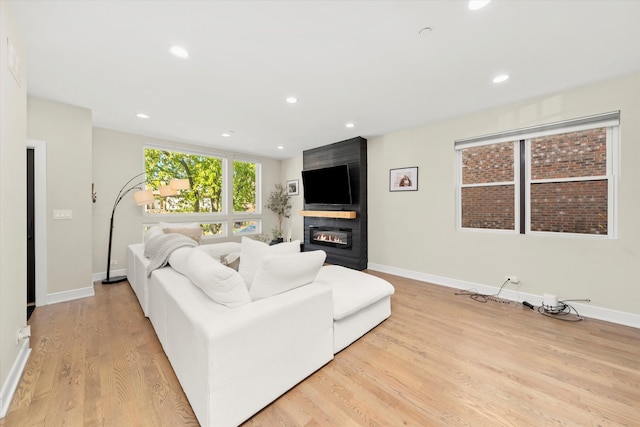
(352, 290)
(231, 260)
(218, 250)
(151, 233)
(252, 252)
(179, 259)
(222, 284)
(282, 272)
(228, 253)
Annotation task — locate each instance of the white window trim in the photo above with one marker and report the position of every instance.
(226, 218)
(515, 183)
(611, 121)
(611, 172)
(488, 184)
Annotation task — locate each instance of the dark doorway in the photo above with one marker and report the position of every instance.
(31, 237)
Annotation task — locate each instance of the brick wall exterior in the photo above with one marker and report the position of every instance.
(569, 155)
(565, 207)
(570, 207)
(488, 163)
(489, 207)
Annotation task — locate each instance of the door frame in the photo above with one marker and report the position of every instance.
(40, 234)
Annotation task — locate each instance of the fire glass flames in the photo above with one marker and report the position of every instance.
(328, 236)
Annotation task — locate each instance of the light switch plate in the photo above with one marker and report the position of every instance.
(62, 214)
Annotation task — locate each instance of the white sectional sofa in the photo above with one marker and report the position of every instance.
(233, 360)
(360, 302)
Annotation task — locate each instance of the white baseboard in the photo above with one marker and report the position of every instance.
(585, 310)
(11, 384)
(70, 295)
(113, 273)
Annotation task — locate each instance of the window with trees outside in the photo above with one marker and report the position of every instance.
(210, 187)
(557, 178)
(245, 193)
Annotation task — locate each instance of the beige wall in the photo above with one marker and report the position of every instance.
(291, 169)
(415, 232)
(13, 115)
(66, 130)
(117, 157)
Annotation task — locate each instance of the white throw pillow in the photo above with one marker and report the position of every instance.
(222, 284)
(283, 272)
(151, 233)
(192, 233)
(252, 252)
(179, 259)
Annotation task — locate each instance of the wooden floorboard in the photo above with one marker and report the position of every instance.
(440, 360)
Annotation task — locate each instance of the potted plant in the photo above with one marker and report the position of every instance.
(278, 203)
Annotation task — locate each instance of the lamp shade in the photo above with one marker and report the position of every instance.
(166, 190)
(180, 184)
(143, 197)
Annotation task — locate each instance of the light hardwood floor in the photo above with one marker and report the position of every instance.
(439, 360)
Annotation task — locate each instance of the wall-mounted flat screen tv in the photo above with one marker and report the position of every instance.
(327, 186)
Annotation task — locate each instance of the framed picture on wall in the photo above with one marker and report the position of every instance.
(292, 187)
(403, 179)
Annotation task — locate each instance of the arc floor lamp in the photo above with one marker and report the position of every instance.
(141, 197)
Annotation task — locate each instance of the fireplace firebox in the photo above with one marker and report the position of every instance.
(330, 236)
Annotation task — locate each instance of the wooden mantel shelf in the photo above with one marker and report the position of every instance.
(330, 214)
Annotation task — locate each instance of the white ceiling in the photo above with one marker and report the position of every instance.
(346, 61)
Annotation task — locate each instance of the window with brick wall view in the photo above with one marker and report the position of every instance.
(556, 181)
(488, 186)
(569, 188)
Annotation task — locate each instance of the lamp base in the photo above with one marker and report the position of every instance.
(113, 280)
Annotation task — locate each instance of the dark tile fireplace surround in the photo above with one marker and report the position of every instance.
(344, 239)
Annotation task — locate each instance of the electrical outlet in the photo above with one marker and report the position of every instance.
(512, 279)
(23, 334)
(114, 262)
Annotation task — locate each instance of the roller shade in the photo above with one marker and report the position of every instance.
(590, 122)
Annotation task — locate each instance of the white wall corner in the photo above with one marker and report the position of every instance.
(11, 384)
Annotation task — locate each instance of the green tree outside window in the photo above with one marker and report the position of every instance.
(205, 175)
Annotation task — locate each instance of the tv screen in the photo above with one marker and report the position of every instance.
(327, 186)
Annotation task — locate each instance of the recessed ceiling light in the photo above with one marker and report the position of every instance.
(292, 100)
(142, 116)
(226, 134)
(349, 125)
(280, 147)
(501, 78)
(478, 4)
(425, 31)
(178, 51)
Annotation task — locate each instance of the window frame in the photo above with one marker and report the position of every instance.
(515, 182)
(258, 211)
(523, 182)
(611, 173)
(226, 217)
